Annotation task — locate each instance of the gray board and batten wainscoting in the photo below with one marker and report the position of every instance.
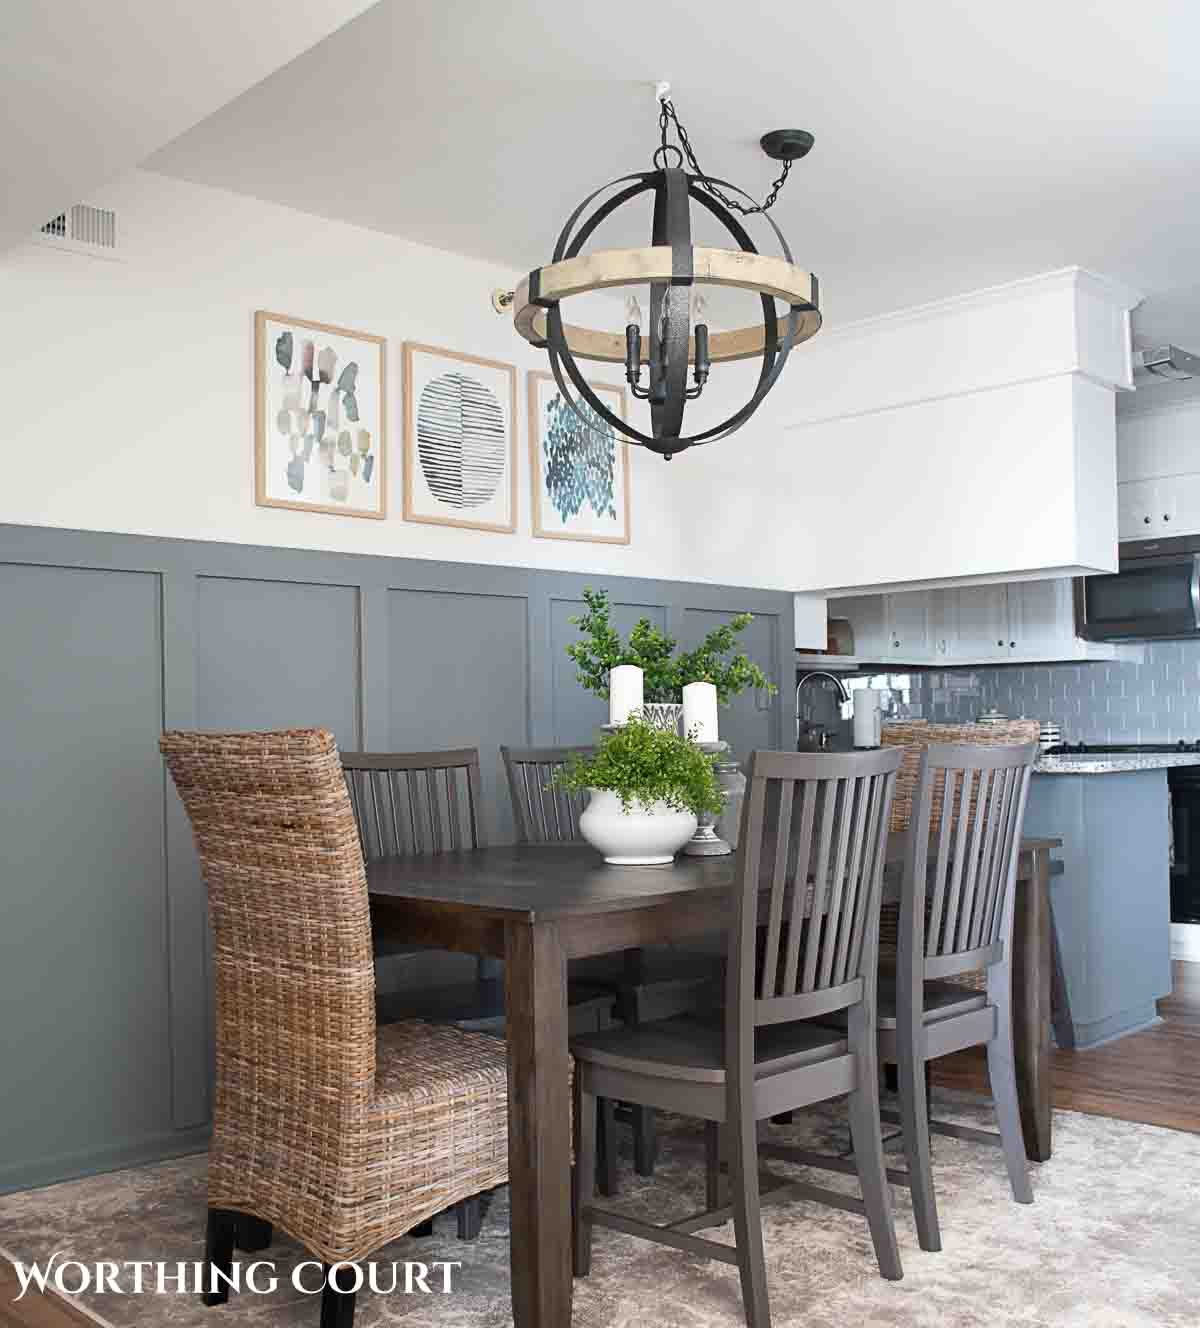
(105, 1040)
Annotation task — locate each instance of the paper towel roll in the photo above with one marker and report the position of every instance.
(868, 720)
(700, 711)
(624, 692)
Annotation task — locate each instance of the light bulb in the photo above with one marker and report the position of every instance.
(699, 307)
(633, 312)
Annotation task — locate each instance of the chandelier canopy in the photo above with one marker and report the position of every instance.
(676, 338)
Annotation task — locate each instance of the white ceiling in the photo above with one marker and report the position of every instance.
(958, 144)
(88, 89)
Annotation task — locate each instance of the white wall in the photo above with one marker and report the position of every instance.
(130, 390)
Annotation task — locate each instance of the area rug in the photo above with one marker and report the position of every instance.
(1111, 1241)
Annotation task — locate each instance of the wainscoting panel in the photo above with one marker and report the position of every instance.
(460, 678)
(277, 655)
(104, 943)
(84, 1039)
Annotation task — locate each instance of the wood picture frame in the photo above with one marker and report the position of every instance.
(548, 524)
(438, 489)
(365, 470)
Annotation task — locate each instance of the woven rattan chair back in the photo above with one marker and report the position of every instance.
(814, 831)
(295, 981)
(960, 874)
(542, 813)
(915, 735)
(415, 802)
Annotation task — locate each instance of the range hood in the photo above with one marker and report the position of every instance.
(1167, 362)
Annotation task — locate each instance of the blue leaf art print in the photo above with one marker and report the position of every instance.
(579, 460)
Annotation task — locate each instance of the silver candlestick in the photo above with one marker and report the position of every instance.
(706, 843)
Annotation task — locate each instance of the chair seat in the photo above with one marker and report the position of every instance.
(693, 1049)
(437, 1063)
(942, 999)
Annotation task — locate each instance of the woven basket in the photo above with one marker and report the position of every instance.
(916, 735)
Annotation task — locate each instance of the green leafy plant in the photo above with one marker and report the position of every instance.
(653, 651)
(646, 765)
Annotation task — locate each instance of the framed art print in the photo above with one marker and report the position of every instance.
(460, 446)
(580, 471)
(320, 418)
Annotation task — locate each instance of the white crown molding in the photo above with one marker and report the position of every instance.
(1065, 278)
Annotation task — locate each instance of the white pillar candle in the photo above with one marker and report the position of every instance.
(624, 692)
(700, 711)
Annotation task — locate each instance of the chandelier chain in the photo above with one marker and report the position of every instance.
(668, 116)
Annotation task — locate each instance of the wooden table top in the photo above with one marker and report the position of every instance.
(549, 882)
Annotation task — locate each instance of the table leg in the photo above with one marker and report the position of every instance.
(539, 1115)
(1032, 963)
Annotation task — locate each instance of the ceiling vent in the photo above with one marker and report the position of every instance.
(83, 229)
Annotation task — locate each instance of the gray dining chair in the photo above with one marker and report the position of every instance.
(432, 802)
(810, 870)
(648, 984)
(956, 917)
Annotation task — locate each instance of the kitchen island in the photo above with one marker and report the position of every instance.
(1111, 904)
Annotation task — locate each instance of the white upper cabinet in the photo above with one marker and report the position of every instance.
(1158, 469)
(910, 625)
(981, 623)
(1041, 618)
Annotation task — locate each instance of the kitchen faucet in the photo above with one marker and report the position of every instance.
(843, 697)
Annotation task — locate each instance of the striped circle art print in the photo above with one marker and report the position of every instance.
(461, 440)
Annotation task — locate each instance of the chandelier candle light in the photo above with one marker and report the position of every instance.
(676, 337)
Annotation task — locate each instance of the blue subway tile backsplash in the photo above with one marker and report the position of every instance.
(1157, 700)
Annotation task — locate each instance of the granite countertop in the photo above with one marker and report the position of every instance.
(1112, 763)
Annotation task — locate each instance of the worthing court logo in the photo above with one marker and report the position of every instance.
(138, 1277)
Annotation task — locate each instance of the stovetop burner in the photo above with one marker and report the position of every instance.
(1101, 749)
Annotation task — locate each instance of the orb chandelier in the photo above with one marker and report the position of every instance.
(676, 338)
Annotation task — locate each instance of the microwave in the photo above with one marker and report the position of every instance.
(1153, 596)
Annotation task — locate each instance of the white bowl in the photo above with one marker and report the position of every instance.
(641, 837)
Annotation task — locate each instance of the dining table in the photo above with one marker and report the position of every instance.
(537, 906)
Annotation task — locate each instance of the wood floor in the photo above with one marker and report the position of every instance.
(34, 1310)
(1151, 1077)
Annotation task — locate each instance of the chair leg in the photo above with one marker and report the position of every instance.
(469, 1214)
(914, 1118)
(337, 1304)
(584, 1179)
(645, 1145)
(254, 1234)
(713, 1188)
(606, 1146)
(747, 1222)
(1008, 1113)
(866, 1136)
(218, 1254)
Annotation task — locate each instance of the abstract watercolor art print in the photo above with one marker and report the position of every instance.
(460, 448)
(580, 471)
(321, 418)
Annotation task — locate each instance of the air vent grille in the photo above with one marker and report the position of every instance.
(84, 227)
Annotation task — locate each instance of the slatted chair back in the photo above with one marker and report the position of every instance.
(407, 803)
(810, 869)
(543, 813)
(295, 978)
(961, 869)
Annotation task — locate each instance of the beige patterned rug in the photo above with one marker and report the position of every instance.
(1112, 1241)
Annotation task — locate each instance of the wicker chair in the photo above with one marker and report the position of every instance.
(343, 1135)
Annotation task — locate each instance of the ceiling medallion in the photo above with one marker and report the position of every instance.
(676, 270)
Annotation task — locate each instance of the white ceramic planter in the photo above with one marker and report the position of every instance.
(641, 837)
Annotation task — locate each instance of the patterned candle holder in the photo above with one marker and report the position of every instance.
(706, 843)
